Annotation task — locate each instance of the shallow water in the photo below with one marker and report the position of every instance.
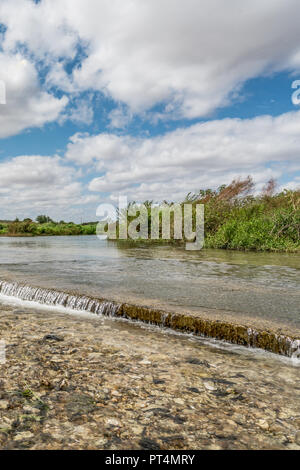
(180, 391)
(261, 285)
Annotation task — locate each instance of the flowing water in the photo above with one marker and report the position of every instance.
(258, 285)
(228, 396)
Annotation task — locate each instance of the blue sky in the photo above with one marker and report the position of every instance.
(263, 95)
(150, 100)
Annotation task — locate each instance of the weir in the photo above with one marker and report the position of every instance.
(58, 299)
(189, 323)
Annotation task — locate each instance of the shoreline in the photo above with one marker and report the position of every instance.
(220, 325)
(152, 243)
(100, 384)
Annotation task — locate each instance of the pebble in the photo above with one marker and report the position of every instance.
(24, 436)
(113, 422)
(119, 386)
(209, 387)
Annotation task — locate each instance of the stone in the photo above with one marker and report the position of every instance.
(179, 401)
(263, 424)
(23, 436)
(53, 338)
(113, 422)
(115, 403)
(209, 387)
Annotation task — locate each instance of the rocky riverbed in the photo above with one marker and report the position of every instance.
(78, 382)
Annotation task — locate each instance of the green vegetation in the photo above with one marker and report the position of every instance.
(238, 220)
(235, 219)
(45, 226)
(27, 393)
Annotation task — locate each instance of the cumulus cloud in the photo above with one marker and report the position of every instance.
(202, 155)
(160, 59)
(26, 104)
(41, 27)
(190, 58)
(33, 184)
(291, 185)
(80, 112)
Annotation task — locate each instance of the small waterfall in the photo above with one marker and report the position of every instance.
(58, 299)
(233, 333)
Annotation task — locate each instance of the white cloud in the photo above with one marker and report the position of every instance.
(40, 26)
(187, 57)
(26, 104)
(81, 112)
(119, 118)
(190, 57)
(291, 185)
(33, 184)
(203, 155)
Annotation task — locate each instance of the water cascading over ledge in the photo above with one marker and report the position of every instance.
(56, 298)
(188, 323)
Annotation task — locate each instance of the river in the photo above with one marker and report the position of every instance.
(256, 285)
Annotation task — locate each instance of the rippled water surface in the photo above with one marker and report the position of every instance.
(254, 284)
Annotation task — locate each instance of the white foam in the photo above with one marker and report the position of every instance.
(50, 300)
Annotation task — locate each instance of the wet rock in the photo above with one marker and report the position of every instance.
(198, 362)
(209, 387)
(30, 410)
(93, 391)
(179, 419)
(263, 424)
(4, 404)
(113, 422)
(193, 390)
(221, 381)
(149, 444)
(179, 401)
(23, 436)
(80, 405)
(95, 357)
(220, 393)
(157, 411)
(51, 337)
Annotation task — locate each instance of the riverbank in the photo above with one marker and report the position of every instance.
(89, 383)
(234, 218)
(152, 243)
(29, 228)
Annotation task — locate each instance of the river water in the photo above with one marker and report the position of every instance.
(258, 285)
(226, 396)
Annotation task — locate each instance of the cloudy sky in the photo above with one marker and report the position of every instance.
(149, 99)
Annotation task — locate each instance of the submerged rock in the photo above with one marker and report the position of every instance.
(115, 385)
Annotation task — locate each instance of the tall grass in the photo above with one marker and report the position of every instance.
(237, 219)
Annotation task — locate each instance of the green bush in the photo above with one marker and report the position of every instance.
(29, 228)
(236, 219)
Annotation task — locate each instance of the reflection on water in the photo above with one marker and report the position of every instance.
(258, 284)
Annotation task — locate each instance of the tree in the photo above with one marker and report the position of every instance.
(43, 219)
